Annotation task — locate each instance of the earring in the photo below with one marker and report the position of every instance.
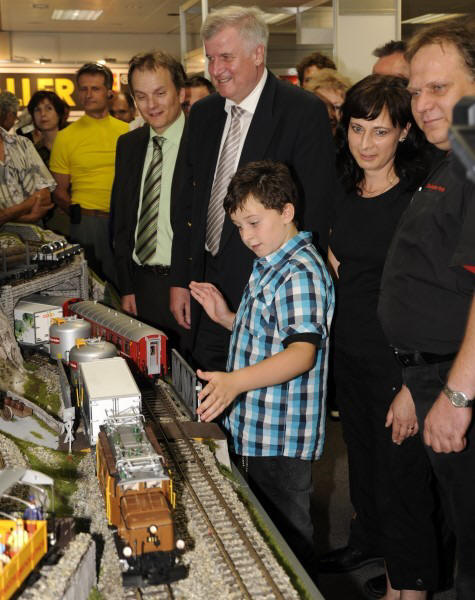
(402, 140)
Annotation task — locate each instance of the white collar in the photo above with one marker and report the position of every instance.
(249, 103)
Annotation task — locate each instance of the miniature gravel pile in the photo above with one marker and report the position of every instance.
(11, 455)
(87, 502)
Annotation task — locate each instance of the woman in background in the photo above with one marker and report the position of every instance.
(378, 159)
(49, 114)
(331, 87)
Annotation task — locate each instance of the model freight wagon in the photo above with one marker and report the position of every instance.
(107, 388)
(33, 320)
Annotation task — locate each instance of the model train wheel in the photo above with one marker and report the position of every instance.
(7, 413)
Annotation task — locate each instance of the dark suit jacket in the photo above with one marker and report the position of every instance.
(289, 125)
(129, 162)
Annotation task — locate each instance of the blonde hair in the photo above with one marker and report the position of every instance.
(329, 78)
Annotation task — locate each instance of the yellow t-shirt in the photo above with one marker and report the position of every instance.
(85, 151)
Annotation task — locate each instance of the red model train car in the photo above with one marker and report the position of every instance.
(141, 344)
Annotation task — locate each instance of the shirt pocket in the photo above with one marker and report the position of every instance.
(260, 320)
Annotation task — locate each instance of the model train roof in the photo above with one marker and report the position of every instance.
(135, 458)
(108, 378)
(122, 324)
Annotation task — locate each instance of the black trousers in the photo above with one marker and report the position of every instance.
(210, 349)
(152, 297)
(455, 473)
(389, 484)
(93, 235)
(283, 486)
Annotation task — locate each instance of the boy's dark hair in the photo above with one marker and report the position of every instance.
(390, 48)
(318, 59)
(96, 69)
(154, 59)
(58, 105)
(267, 181)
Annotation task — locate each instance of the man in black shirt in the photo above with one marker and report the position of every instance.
(427, 305)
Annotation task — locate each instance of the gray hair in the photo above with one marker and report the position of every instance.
(248, 20)
(8, 103)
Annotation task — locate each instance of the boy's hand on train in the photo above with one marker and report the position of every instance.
(402, 416)
(218, 394)
(213, 302)
(180, 306)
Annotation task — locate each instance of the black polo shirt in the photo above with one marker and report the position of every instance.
(426, 292)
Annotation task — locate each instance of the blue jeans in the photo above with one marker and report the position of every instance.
(455, 473)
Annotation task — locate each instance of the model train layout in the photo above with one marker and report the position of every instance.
(94, 345)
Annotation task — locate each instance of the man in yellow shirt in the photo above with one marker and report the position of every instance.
(82, 162)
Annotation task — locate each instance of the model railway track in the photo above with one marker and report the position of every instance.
(244, 571)
(161, 592)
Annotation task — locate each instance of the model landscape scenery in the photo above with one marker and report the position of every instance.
(110, 487)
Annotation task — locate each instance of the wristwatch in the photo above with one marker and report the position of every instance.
(458, 399)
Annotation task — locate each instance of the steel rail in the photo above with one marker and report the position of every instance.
(222, 501)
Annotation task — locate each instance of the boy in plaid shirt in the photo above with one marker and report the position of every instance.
(273, 393)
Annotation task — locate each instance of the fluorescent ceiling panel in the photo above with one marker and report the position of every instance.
(432, 18)
(76, 15)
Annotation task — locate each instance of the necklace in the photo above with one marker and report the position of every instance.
(391, 182)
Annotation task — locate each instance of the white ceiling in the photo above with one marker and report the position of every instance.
(119, 16)
(153, 16)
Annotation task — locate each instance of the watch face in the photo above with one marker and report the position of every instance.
(459, 399)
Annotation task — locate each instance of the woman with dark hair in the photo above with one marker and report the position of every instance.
(48, 112)
(379, 163)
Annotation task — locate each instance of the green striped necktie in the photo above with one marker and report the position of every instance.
(147, 227)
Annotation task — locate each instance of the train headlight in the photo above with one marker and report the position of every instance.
(127, 551)
(180, 544)
(153, 529)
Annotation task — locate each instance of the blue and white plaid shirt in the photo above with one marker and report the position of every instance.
(289, 298)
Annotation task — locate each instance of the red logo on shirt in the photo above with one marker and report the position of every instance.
(435, 187)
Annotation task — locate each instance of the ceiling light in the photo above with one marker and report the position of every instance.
(432, 18)
(76, 15)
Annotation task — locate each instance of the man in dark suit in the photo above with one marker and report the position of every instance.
(276, 121)
(144, 189)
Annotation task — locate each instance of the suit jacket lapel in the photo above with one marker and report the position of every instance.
(138, 158)
(262, 125)
(258, 138)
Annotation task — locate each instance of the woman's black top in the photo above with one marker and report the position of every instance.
(361, 233)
